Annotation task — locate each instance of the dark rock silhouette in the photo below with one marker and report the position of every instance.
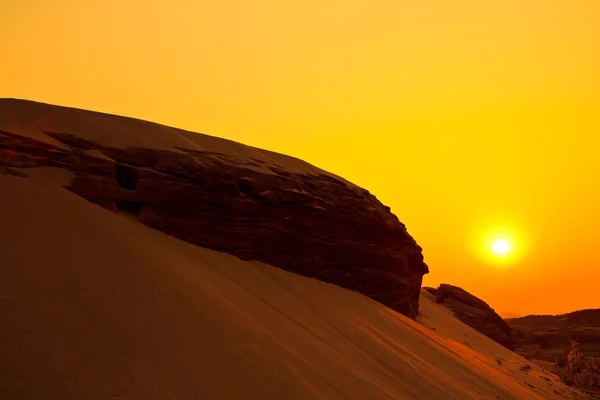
(474, 312)
(429, 289)
(316, 225)
(536, 337)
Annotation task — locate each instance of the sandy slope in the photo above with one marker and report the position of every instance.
(96, 306)
(29, 118)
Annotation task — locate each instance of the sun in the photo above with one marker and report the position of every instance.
(500, 242)
(501, 247)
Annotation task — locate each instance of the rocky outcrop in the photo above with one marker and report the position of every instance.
(549, 339)
(546, 337)
(314, 224)
(474, 312)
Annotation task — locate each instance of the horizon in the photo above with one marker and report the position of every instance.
(496, 107)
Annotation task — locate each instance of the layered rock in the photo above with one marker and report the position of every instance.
(549, 339)
(474, 312)
(300, 219)
(546, 337)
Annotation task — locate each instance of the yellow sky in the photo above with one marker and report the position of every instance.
(470, 118)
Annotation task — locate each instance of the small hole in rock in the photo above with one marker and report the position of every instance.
(127, 177)
(246, 187)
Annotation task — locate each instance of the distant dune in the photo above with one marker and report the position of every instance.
(510, 314)
(94, 304)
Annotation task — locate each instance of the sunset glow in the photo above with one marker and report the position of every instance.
(501, 247)
(475, 121)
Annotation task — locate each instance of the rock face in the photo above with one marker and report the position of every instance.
(474, 312)
(257, 208)
(546, 337)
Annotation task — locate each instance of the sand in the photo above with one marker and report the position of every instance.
(32, 119)
(97, 306)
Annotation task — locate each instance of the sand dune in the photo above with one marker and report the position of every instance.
(32, 119)
(96, 306)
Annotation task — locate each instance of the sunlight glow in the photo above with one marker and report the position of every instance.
(500, 241)
(501, 247)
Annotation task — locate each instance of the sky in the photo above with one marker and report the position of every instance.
(473, 120)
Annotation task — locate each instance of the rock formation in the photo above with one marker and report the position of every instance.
(546, 337)
(299, 219)
(474, 312)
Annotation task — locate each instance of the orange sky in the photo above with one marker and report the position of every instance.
(466, 117)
